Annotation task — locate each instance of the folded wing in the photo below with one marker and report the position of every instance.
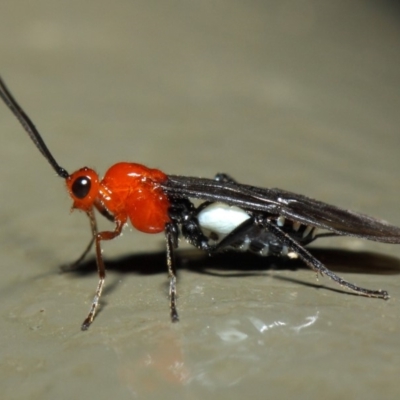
(277, 202)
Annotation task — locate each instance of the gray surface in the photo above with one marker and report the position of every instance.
(299, 95)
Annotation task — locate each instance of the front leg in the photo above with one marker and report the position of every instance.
(98, 237)
(105, 213)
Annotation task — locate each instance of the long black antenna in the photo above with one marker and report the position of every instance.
(30, 128)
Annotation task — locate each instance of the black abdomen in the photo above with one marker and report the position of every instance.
(259, 241)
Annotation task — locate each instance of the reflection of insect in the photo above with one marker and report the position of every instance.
(231, 216)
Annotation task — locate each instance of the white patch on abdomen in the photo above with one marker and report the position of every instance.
(221, 219)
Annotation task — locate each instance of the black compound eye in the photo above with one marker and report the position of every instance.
(81, 187)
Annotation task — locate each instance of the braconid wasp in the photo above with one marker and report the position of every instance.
(231, 216)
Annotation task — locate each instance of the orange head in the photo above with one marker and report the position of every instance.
(83, 187)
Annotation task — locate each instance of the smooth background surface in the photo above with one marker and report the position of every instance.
(302, 95)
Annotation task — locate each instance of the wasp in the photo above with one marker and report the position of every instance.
(230, 216)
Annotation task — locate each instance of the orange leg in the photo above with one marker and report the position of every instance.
(98, 237)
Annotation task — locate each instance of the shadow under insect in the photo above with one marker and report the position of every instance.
(233, 264)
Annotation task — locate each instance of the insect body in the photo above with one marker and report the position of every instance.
(231, 216)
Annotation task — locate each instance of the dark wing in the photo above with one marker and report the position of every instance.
(278, 202)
